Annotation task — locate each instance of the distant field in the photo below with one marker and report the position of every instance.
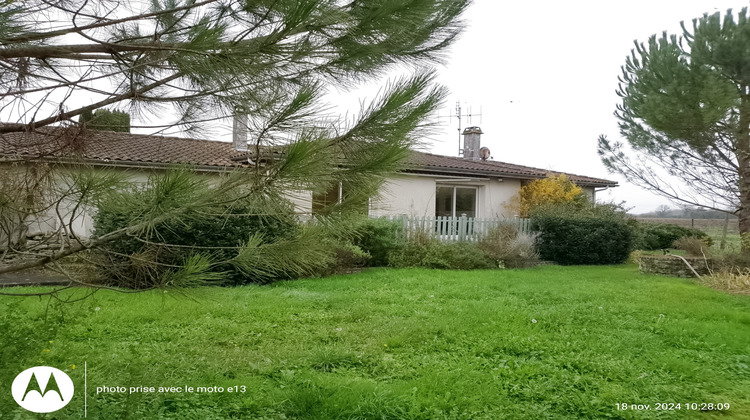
(703, 224)
(713, 227)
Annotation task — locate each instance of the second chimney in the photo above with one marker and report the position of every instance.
(472, 144)
(239, 133)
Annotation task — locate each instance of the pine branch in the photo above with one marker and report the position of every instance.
(38, 36)
(11, 128)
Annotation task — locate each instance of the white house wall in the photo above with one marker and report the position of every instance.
(493, 195)
(301, 200)
(81, 223)
(590, 193)
(414, 195)
(497, 195)
(405, 195)
(68, 216)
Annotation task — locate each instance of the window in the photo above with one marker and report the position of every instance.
(329, 198)
(456, 201)
(339, 193)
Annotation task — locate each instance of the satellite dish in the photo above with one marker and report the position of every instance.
(484, 152)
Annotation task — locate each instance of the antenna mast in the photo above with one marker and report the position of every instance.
(459, 115)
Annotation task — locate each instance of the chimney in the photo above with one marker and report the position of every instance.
(239, 133)
(471, 143)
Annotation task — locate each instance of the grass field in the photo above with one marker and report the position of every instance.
(702, 224)
(713, 227)
(549, 342)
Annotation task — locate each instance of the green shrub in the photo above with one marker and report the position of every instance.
(378, 237)
(693, 247)
(215, 235)
(732, 262)
(457, 256)
(510, 248)
(653, 236)
(410, 254)
(435, 254)
(600, 235)
(347, 257)
(350, 256)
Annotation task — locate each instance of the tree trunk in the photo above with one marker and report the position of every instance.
(742, 146)
(744, 219)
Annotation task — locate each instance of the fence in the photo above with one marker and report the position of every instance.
(453, 229)
(707, 225)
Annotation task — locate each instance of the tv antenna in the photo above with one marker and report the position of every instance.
(460, 114)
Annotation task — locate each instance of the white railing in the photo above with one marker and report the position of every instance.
(457, 229)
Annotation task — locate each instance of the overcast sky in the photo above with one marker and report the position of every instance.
(545, 73)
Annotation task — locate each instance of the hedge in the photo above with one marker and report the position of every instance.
(600, 236)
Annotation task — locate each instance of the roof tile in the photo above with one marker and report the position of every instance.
(428, 162)
(127, 148)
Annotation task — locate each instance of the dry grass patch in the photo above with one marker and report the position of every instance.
(732, 281)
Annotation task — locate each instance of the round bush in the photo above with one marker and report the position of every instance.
(653, 236)
(571, 239)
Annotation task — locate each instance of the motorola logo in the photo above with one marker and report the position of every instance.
(42, 389)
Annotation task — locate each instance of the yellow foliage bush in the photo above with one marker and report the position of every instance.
(555, 189)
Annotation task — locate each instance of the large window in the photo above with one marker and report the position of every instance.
(336, 195)
(454, 201)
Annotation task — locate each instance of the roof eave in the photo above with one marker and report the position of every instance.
(463, 172)
(123, 163)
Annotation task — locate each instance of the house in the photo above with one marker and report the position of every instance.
(429, 185)
(471, 185)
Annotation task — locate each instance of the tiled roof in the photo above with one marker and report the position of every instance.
(123, 148)
(133, 149)
(449, 165)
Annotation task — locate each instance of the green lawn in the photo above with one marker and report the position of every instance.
(551, 342)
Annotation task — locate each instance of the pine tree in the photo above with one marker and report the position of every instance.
(104, 119)
(178, 65)
(686, 109)
(202, 60)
